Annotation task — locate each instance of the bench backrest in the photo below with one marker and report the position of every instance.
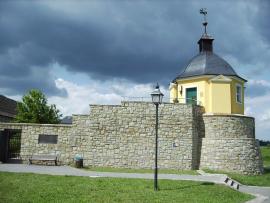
(41, 156)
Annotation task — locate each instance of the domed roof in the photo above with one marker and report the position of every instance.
(206, 62)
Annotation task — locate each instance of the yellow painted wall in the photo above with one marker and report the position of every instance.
(216, 97)
(202, 94)
(220, 97)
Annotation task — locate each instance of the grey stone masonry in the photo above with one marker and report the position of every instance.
(124, 136)
(230, 144)
(29, 139)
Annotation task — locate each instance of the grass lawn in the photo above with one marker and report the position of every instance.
(266, 156)
(20, 187)
(127, 170)
(258, 180)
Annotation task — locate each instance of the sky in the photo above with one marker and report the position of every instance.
(101, 52)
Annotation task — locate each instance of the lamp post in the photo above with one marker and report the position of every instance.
(156, 99)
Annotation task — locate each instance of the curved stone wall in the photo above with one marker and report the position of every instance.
(230, 145)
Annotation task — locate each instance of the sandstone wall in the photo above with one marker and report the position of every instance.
(121, 136)
(29, 140)
(230, 144)
(124, 135)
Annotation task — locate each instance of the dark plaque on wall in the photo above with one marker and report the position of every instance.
(47, 139)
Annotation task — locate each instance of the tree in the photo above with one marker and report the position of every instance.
(34, 109)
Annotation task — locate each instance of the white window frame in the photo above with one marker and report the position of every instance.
(241, 93)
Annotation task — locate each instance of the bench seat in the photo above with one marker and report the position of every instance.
(43, 158)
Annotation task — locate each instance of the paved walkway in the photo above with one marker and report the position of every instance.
(262, 193)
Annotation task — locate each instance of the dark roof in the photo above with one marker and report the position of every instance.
(207, 62)
(66, 120)
(7, 106)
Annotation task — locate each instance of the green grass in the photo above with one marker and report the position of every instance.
(128, 170)
(266, 156)
(255, 180)
(19, 187)
(258, 180)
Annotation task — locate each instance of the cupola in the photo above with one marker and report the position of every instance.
(209, 80)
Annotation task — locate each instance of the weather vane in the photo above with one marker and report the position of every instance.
(204, 12)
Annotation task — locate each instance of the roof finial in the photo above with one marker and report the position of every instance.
(204, 12)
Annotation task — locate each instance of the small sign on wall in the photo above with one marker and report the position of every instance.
(47, 139)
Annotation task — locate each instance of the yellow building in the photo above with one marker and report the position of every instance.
(209, 81)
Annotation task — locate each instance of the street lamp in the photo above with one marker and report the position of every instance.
(156, 99)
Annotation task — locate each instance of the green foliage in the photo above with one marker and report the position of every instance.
(34, 109)
(19, 187)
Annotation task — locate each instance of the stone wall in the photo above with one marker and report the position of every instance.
(29, 140)
(121, 136)
(198, 126)
(124, 136)
(230, 144)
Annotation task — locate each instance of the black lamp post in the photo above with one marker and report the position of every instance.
(156, 99)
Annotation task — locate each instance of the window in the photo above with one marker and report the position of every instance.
(47, 139)
(238, 93)
(191, 95)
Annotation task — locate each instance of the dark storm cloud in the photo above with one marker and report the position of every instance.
(144, 41)
(262, 22)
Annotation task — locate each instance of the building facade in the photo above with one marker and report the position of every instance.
(7, 109)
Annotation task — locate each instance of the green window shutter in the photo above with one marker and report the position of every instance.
(191, 95)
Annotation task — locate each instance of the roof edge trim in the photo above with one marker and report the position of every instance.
(203, 76)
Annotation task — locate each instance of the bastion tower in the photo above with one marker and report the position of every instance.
(209, 81)
(226, 137)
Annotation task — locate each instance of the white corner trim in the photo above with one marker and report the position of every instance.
(172, 85)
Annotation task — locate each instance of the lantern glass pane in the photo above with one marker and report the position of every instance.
(160, 100)
(155, 99)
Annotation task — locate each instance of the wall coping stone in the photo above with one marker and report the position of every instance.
(123, 103)
(80, 114)
(229, 138)
(36, 124)
(226, 115)
(104, 105)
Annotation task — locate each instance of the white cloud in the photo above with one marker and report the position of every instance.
(110, 92)
(259, 108)
(259, 82)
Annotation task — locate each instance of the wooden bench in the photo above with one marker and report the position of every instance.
(43, 157)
